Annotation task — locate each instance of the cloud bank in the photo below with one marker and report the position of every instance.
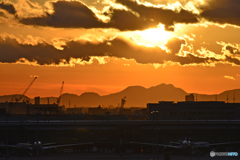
(45, 53)
(74, 14)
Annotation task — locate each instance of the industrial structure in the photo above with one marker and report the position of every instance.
(23, 108)
(122, 105)
(195, 110)
(60, 95)
(15, 99)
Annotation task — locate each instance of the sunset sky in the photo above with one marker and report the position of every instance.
(104, 46)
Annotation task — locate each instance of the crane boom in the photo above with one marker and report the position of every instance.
(18, 99)
(59, 98)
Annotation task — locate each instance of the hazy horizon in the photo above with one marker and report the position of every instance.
(136, 96)
(118, 91)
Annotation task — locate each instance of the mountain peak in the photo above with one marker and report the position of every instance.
(134, 89)
(163, 85)
(91, 94)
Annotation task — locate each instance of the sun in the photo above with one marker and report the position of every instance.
(153, 36)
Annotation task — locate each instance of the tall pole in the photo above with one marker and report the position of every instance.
(37, 135)
(107, 113)
(6, 136)
(157, 133)
(153, 112)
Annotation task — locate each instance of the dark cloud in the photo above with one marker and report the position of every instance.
(67, 14)
(2, 15)
(233, 50)
(232, 60)
(125, 20)
(8, 7)
(11, 51)
(222, 11)
(191, 59)
(76, 15)
(160, 15)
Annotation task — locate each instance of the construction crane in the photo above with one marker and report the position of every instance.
(18, 99)
(122, 104)
(59, 98)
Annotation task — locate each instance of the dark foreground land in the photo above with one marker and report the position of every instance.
(78, 156)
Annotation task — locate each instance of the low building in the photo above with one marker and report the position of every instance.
(76, 110)
(189, 98)
(13, 107)
(45, 109)
(127, 111)
(24, 108)
(97, 111)
(194, 110)
(202, 110)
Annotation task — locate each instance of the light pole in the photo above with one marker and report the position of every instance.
(157, 132)
(153, 113)
(107, 113)
(6, 136)
(37, 134)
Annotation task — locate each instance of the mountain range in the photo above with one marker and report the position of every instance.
(136, 96)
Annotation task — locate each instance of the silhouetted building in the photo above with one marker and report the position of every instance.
(114, 111)
(97, 111)
(126, 111)
(37, 100)
(45, 109)
(201, 110)
(189, 98)
(14, 108)
(24, 108)
(74, 110)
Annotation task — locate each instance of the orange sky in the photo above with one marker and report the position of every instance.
(106, 46)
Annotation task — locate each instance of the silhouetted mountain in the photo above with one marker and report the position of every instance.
(221, 97)
(137, 96)
(10, 97)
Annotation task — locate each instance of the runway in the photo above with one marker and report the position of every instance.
(98, 156)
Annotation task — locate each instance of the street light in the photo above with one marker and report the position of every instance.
(7, 136)
(157, 132)
(153, 112)
(155, 135)
(38, 113)
(107, 113)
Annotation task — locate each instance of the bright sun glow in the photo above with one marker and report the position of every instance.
(152, 37)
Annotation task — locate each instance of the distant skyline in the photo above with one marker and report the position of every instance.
(137, 96)
(104, 46)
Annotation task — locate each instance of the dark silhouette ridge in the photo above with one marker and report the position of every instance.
(137, 96)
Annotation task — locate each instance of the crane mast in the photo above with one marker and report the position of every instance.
(59, 98)
(18, 99)
(122, 104)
